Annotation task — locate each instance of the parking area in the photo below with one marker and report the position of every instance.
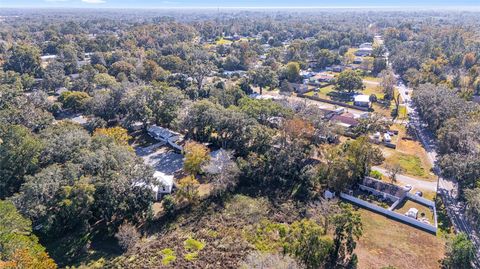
(161, 157)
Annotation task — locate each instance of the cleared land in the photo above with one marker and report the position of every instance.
(388, 242)
(411, 156)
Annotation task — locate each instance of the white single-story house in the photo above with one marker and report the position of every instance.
(165, 184)
(163, 134)
(362, 100)
(366, 45)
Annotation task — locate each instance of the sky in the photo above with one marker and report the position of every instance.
(430, 4)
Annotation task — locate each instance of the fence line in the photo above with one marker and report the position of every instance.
(333, 102)
(386, 212)
(420, 200)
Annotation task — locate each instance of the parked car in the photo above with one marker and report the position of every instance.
(408, 187)
(419, 193)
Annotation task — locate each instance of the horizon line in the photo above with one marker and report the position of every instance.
(102, 6)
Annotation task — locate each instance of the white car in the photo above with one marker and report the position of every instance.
(408, 187)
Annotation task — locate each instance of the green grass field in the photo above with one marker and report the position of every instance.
(411, 164)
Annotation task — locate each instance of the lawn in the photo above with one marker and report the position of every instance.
(223, 41)
(371, 78)
(323, 92)
(373, 89)
(387, 242)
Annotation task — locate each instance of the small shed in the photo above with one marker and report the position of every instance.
(412, 213)
(328, 194)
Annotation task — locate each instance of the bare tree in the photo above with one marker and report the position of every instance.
(393, 170)
(127, 236)
(387, 83)
(322, 211)
(223, 171)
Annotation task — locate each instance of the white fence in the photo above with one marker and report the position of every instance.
(421, 200)
(389, 213)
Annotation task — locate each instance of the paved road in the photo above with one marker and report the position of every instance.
(415, 182)
(447, 189)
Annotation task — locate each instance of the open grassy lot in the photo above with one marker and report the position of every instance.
(411, 164)
(387, 242)
(372, 78)
(410, 154)
(373, 89)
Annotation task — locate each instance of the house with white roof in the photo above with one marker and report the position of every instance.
(362, 100)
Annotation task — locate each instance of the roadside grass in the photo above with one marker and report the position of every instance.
(387, 242)
(423, 211)
(223, 41)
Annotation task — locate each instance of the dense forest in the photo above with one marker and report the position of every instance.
(78, 194)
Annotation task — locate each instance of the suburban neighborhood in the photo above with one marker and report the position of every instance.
(239, 138)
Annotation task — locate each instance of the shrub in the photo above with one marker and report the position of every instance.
(191, 256)
(193, 245)
(168, 256)
(257, 260)
(376, 174)
(169, 204)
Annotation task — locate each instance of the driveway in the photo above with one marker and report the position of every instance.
(161, 158)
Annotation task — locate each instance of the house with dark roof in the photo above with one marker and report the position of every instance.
(344, 121)
(299, 88)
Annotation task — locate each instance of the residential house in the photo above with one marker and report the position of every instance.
(163, 134)
(344, 121)
(299, 88)
(165, 184)
(362, 100)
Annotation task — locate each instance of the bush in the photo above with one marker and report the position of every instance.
(168, 256)
(193, 245)
(169, 204)
(376, 174)
(191, 256)
(127, 236)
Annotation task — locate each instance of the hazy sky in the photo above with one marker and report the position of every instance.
(239, 3)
